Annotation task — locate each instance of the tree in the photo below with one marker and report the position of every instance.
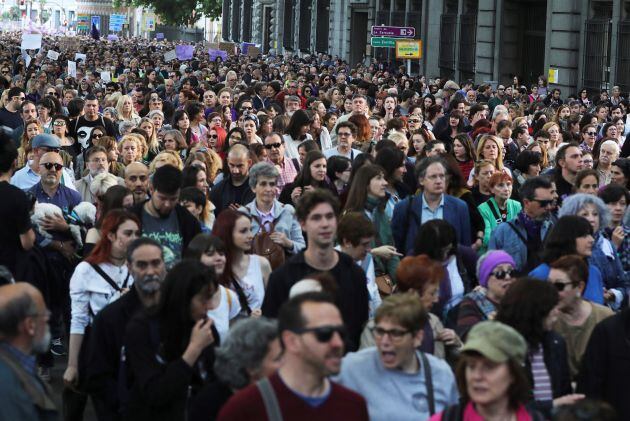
(178, 12)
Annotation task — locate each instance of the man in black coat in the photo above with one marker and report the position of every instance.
(145, 261)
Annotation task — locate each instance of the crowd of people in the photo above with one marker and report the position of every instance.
(282, 237)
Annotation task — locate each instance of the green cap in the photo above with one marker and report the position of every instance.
(496, 341)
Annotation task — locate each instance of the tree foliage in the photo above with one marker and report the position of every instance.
(177, 12)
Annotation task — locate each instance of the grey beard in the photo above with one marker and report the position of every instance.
(41, 346)
(149, 284)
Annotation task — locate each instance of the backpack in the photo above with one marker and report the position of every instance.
(264, 246)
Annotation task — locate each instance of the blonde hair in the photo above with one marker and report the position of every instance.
(119, 109)
(142, 142)
(153, 143)
(498, 164)
(213, 161)
(168, 158)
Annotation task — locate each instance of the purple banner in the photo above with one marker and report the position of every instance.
(214, 54)
(184, 52)
(394, 31)
(159, 35)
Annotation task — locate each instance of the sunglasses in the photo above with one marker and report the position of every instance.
(213, 136)
(50, 165)
(97, 136)
(543, 203)
(560, 286)
(273, 145)
(590, 133)
(502, 274)
(414, 121)
(323, 334)
(59, 123)
(247, 108)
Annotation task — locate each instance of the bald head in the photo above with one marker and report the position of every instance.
(238, 151)
(135, 168)
(17, 302)
(137, 180)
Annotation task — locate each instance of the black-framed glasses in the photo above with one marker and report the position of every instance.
(247, 108)
(395, 334)
(543, 203)
(323, 334)
(213, 136)
(50, 165)
(560, 286)
(590, 133)
(502, 274)
(273, 145)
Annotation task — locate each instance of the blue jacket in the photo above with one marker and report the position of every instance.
(504, 238)
(609, 264)
(405, 229)
(286, 222)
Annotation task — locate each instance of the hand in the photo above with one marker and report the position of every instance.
(385, 252)
(448, 336)
(308, 188)
(54, 223)
(477, 244)
(281, 238)
(71, 377)
(618, 236)
(234, 206)
(201, 335)
(608, 295)
(568, 399)
(256, 313)
(67, 249)
(296, 193)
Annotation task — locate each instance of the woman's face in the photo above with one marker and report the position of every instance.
(265, 189)
(331, 122)
(502, 190)
(584, 245)
(130, 152)
(234, 138)
(250, 128)
(430, 295)
(321, 109)
(157, 121)
(499, 281)
(112, 154)
(271, 363)
(490, 150)
(377, 187)
(317, 122)
(483, 178)
(200, 303)
(453, 121)
(347, 105)
(32, 130)
(554, 134)
(565, 112)
(43, 113)
(212, 138)
(127, 104)
(459, 150)
(148, 127)
(345, 175)
(617, 210)
(389, 104)
(126, 233)
(170, 144)
(214, 259)
(318, 169)
(418, 142)
(617, 176)
(202, 182)
(242, 234)
(611, 131)
(533, 170)
(588, 185)
(184, 122)
(487, 382)
(591, 214)
(427, 102)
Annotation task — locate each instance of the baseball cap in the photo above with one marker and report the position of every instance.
(46, 140)
(496, 341)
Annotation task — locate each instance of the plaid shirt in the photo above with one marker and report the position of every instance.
(288, 172)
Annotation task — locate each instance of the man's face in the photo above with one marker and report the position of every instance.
(617, 113)
(539, 207)
(292, 88)
(17, 100)
(359, 251)
(434, 180)
(359, 106)
(137, 180)
(320, 225)
(345, 137)
(29, 111)
(322, 353)
(291, 106)
(275, 148)
(163, 203)
(396, 345)
(209, 99)
(608, 154)
(97, 163)
(90, 109)
(169, 85)
(231, 80)
(572, 160)
(501, 91)
(239, 167)
(50, 169)
(147, 268)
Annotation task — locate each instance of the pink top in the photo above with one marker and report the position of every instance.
(470, 414)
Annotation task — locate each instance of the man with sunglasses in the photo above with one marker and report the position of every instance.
(10, 113)
(317, 211)
(312, 336)
(287, 167)
(577, 316)
(522, 237)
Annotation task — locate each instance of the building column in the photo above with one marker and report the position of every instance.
(614, 42)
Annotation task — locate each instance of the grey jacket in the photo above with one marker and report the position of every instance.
(286, 222)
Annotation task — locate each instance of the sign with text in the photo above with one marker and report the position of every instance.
(409, 49)
(184, 52)
(394, 31)
(116, 22)
(386, 42)
(552, 77)
(83, 22)
(214, 54)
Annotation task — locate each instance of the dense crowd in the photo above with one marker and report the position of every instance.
(294, 237)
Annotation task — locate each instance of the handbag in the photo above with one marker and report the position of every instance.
(264, 246)
(385, 285)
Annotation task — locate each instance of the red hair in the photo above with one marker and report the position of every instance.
(224, 228)
(221, 135)
(417, 272)
(499, 177)
(103, 249)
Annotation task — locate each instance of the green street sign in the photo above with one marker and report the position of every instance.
(383, 42)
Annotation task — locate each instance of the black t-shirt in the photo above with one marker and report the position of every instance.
(81, 129)
(14, 214)
(9, 119)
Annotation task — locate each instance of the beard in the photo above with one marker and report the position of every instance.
(41, 346)
(149, 284)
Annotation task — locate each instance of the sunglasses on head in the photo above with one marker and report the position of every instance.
(50, 165)
(502, 274)
(323, 334)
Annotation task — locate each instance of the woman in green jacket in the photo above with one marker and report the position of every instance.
(499, 208)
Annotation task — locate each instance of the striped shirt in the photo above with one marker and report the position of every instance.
(542, 381)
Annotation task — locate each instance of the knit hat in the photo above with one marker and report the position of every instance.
(496, 341)
(488, 262)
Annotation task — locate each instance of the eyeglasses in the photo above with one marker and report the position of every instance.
(344, 134)
(543, 203)
(323, 334)
(414, 121)
(247, 108)
(560, 286)
(273, 145)
(59, 123)
(156, 100)
(502, 274)
(50, 165)
(394, 334)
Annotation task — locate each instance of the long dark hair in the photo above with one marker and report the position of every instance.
(299, 119)
(304, 177)
(112, 199)
(185, 280)
(390, 159)
(525, 306)
(433, 237)
(224, 229)
(561, 239)
(357, 196)
(176, 117)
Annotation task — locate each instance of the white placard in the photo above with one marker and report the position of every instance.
(53, 55)
(79, 56)
(31, 41)
(26, 57)
(72, 68)
(170, 55)
(106, 77)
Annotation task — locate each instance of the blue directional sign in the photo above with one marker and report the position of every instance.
(116, 22)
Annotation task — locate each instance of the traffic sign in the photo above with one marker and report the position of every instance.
(409, 48)
(394, 31)
(383, 42)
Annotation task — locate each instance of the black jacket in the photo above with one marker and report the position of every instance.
(606, 364)
(188, 224)
(224, 193)
(103, 361)
(351, 297)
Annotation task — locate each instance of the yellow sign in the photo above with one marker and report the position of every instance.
(552, 77)
(409, 49)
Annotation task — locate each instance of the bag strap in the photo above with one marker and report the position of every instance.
(107, 278)
(428, 380)
(241, 297)
(269, 400)
(229, 299)
(496, 215)
(520, 234)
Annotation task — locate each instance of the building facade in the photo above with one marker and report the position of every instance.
(587, 41)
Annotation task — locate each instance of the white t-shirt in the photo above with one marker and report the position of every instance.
(229, 307)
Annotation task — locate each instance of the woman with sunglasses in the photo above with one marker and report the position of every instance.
(495, 272)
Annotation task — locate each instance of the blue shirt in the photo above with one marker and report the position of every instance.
(26, 178)
(64, 197)
(26, 361)
(428, 214)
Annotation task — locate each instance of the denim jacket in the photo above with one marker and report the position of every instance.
(286, 222)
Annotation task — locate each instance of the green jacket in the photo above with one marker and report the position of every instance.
(490, 220)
